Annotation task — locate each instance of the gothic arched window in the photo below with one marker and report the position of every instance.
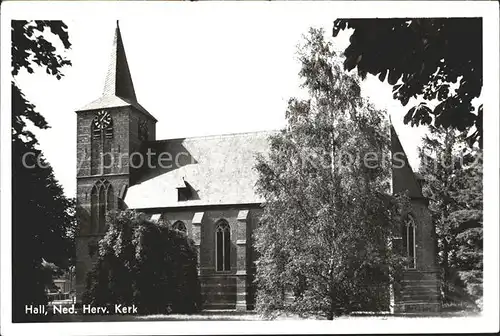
(179, 226)
(409, 241)
(222, 246)
(101, 201)
(94, 204)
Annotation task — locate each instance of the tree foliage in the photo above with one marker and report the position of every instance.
(146, 264)
(453, 174)
(30, 45)
(424, 58)
(43, 225)
(323, 239)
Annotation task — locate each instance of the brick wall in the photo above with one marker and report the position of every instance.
(229, 289)
(426, 253)
(89, 171)
(88, 157)
(418, 290)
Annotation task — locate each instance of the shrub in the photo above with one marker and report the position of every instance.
(146, 264)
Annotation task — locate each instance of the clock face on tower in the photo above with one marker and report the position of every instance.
(143, 130)
(102, 120)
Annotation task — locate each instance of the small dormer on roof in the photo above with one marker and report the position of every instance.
(184, 191)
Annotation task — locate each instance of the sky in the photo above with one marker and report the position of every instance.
(198, 74)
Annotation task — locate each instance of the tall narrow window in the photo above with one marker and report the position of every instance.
(94, 204)
(102, 208)
(179, 226)
(107, 158)
(110, 201)
(96, 132)
(102, 132)
(409, 242)
(102, 201)
(222, 246)
(95, 151)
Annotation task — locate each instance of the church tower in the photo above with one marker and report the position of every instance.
(111, 132)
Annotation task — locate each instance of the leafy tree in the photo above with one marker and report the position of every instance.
(43, 224)
(323, 239)
(424, 58)
(29, 46)
(146, 264)
(453, 174)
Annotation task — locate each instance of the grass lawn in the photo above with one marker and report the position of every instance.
(203, 316)
(241, 316)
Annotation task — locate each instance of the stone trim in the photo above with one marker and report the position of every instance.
(201, 207)
(417, 307)
(101, 175)
(412, 270)
(204, 285)
(243, 215)
(155, 217)
(198, 218)
(217, 275)
(229, 293)
(218, 304)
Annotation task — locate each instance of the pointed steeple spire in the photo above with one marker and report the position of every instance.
(118, 79)
(118, 87)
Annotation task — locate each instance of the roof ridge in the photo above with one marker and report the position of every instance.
(218, 135)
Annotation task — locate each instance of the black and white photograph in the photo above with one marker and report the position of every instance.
(249, 167)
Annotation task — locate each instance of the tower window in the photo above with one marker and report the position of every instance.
(108, 132)
(102, 201)
(101, 146)
(96, 133)
(409, 242)
(222, 246)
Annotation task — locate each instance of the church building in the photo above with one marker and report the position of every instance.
(204, 186)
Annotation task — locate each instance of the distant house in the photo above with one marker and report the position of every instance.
(204, 186)
(63, 287)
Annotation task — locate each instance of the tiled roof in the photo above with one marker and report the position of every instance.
(118, 79)
(403, 177)
(219, 169)
(114, 101)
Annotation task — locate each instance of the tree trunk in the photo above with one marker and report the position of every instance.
(331, 311)
(445, 270)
